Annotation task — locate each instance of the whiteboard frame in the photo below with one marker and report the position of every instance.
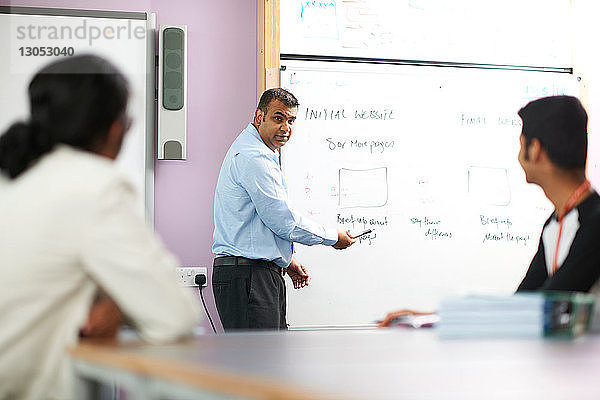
(307, 65)
(150, 113)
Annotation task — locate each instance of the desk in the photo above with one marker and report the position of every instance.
(373, 364)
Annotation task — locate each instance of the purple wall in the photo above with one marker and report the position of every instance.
(221, 100)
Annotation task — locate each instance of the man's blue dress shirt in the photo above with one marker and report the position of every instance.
(252, 216)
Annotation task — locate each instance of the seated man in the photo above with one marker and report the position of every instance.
(553, 155)
(69, 230)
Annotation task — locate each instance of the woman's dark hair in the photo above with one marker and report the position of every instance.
(73, 101)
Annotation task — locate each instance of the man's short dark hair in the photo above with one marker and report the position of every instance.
(284, 96)
(560, 124)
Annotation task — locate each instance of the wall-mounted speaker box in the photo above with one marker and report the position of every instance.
(172, 92)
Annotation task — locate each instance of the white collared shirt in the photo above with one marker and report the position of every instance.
(550, 237)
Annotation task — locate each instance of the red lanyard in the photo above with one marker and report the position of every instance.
(571, 201)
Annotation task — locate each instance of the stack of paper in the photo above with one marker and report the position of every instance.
(520, 315)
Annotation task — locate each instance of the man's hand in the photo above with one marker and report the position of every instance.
(389, 319)
(344, 240)
(298, 274)
(103, 320)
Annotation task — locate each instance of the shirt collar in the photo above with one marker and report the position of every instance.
(554, 215)
(251, 129)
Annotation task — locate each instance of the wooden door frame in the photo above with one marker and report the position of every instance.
(267, 46)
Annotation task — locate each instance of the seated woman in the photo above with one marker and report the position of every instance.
(68, 229)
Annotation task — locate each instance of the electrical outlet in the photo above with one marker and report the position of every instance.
(186, 275)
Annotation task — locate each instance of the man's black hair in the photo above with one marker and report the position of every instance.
(560, 124)
(284, 96)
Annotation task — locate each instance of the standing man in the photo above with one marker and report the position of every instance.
(255, 227)
(553, 156)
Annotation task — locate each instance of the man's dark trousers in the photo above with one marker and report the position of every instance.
(249, 294)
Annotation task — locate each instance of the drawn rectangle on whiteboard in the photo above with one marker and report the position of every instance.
(489, 185)
(363, 188)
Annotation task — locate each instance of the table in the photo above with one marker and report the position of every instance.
(364, 364)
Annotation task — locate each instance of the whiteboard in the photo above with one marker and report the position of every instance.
(428, 158)
(122, 38)
(514, 32)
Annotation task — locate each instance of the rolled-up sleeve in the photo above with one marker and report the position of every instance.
(262, 179)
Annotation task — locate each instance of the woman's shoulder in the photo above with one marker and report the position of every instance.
(78, 173)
